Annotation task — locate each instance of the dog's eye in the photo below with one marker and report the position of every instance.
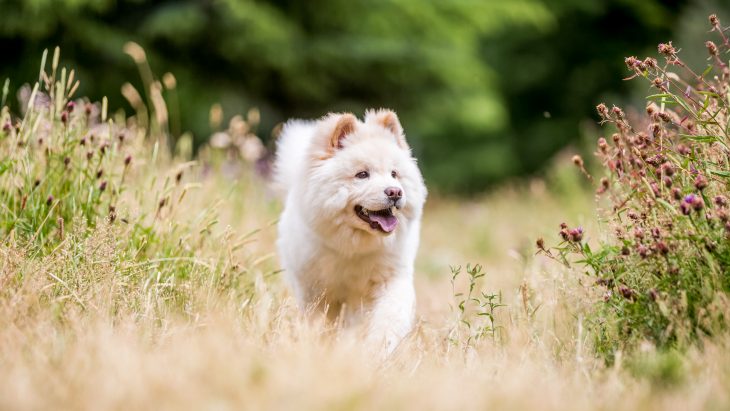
(393, 174)
(362, 174)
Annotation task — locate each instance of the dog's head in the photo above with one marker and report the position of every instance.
(362, 175)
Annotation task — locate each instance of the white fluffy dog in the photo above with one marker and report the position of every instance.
(349, 232)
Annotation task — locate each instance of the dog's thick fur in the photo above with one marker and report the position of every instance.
(339, 255)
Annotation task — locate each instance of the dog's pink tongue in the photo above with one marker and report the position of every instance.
(387, 223)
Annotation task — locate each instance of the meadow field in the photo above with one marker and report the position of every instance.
(132, 278)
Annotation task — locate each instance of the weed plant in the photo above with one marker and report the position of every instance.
(662, 275)
(85, 196)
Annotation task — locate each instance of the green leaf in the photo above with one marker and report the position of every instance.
(700, 138)
(666, 205)
(721, 173)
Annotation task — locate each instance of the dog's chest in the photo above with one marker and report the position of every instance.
(349, 279)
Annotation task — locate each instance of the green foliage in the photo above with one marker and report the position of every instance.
(663, 276)
(80, 195)
(664, 369)
(476, 309)
(471, 80)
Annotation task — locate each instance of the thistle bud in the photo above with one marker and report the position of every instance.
(665, 117)
(576, 234)
(655, 160)
(602, 145)
(693, 201)
(656, 233)
(650, 62)
(714, 21)
(711, 48)
(578, 161)
(540, 243)
(617, 112)
(49, 200)
(656, 130)
(685, 208)
(604, 185)
(631, 62)
(655, 189)
(667, 49)
(643, 251)
(127, 160)
(667, 181)
(720, 201)
(102, 186)
(700, 182)
(668, 169)
(626, 292)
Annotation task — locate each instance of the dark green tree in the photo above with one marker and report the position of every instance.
(485, 89)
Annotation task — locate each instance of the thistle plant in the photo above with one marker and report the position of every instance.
(663, 275)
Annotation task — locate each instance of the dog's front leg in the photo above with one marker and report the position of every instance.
(391, 317)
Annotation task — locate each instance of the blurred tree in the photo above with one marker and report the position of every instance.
(485, 89)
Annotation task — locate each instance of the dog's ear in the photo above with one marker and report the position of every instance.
(389, 120)
(344, 125)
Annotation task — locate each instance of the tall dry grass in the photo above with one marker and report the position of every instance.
(171, 298)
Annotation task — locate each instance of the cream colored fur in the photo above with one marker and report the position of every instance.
(335, 261)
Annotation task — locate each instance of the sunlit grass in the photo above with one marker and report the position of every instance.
(171, 298)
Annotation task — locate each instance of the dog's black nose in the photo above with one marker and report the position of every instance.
(394, 193)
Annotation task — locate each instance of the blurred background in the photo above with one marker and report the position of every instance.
(486, 90)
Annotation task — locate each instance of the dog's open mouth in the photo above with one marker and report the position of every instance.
(382, 220)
